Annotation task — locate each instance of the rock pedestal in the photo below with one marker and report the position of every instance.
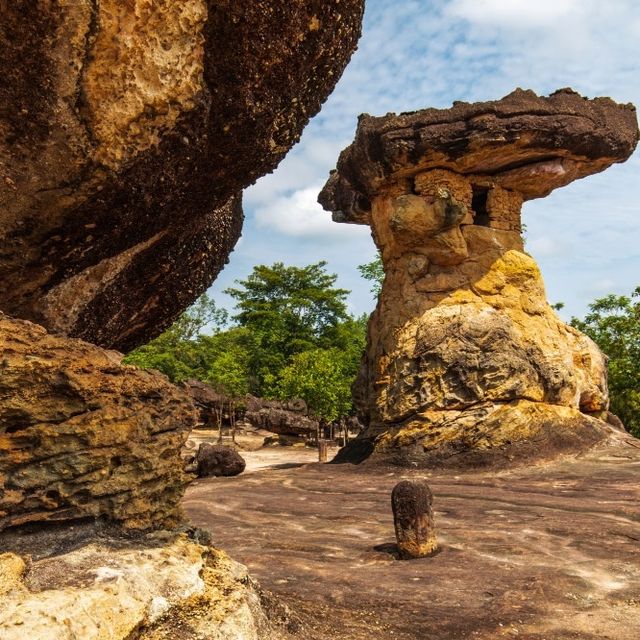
(466, 362)
(413, 519)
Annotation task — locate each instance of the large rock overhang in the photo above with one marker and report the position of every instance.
(127, 133)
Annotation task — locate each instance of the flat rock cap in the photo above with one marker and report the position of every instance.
(523, 142)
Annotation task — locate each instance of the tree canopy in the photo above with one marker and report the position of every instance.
(613, 323)
(291, 336)
(287, 310)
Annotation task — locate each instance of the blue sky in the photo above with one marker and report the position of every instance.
(417, 54)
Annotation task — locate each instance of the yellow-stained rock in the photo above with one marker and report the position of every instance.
(159, 587)
(466, 362)
(128, 131)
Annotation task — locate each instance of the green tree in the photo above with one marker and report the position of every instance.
(174, 352)
(283, 315)
(322, 378)
(227, 368)
(613, 323)
(287, 310)
(374, 272)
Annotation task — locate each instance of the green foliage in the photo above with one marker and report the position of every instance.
(174, 352)
(373, 272)
(287, 310)
(613, 323)
(322, 378)
(293, 338)
(225, 361)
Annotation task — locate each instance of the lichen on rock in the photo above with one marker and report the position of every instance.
(466, 362)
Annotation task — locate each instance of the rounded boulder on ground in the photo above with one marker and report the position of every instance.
(218, 460)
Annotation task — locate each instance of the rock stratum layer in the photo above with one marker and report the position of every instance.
(127, 133)
(466, 362)
(82, 436)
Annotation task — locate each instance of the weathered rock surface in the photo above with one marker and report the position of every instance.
(82, 436)
(466, 362)
(282, 418)
(127, 132)
(161, 587)
(523, 143)
(413, 519)
(543, 552)
(218, 460)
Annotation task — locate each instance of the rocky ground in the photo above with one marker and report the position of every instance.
(544, 552)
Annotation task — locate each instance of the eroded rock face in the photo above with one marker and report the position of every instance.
(466, 361)
(160, 587)
(127, 132)
(82, 436)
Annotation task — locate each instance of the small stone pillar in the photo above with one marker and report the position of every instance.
(323, 450)
(413, 519)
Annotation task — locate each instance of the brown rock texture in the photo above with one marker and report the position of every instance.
(413, 519)
(466, 362)
(547, 551)
(82, 436)
(127, 133)
(283, 418)
(218, 460)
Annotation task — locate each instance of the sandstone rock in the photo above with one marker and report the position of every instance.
(523, 143)
(161, 587)
(127, 132)
(283, 418)
(218, 460)
(413, 519)
(83, 436)
(466, 362)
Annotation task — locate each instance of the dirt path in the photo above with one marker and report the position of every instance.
(550, 552)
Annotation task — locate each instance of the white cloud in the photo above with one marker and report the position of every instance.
(522, 14)
(545, 246)
(299, 214)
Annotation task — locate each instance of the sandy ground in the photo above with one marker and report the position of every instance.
(550, 552)
(249, 444)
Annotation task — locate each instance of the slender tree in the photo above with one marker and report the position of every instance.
(613, 323)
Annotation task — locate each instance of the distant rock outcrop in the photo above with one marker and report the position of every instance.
(466, 362)
(283, 418)
(127, 133)
(83, 436)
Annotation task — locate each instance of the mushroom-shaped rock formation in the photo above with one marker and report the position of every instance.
(127, 133)
(466, 362)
